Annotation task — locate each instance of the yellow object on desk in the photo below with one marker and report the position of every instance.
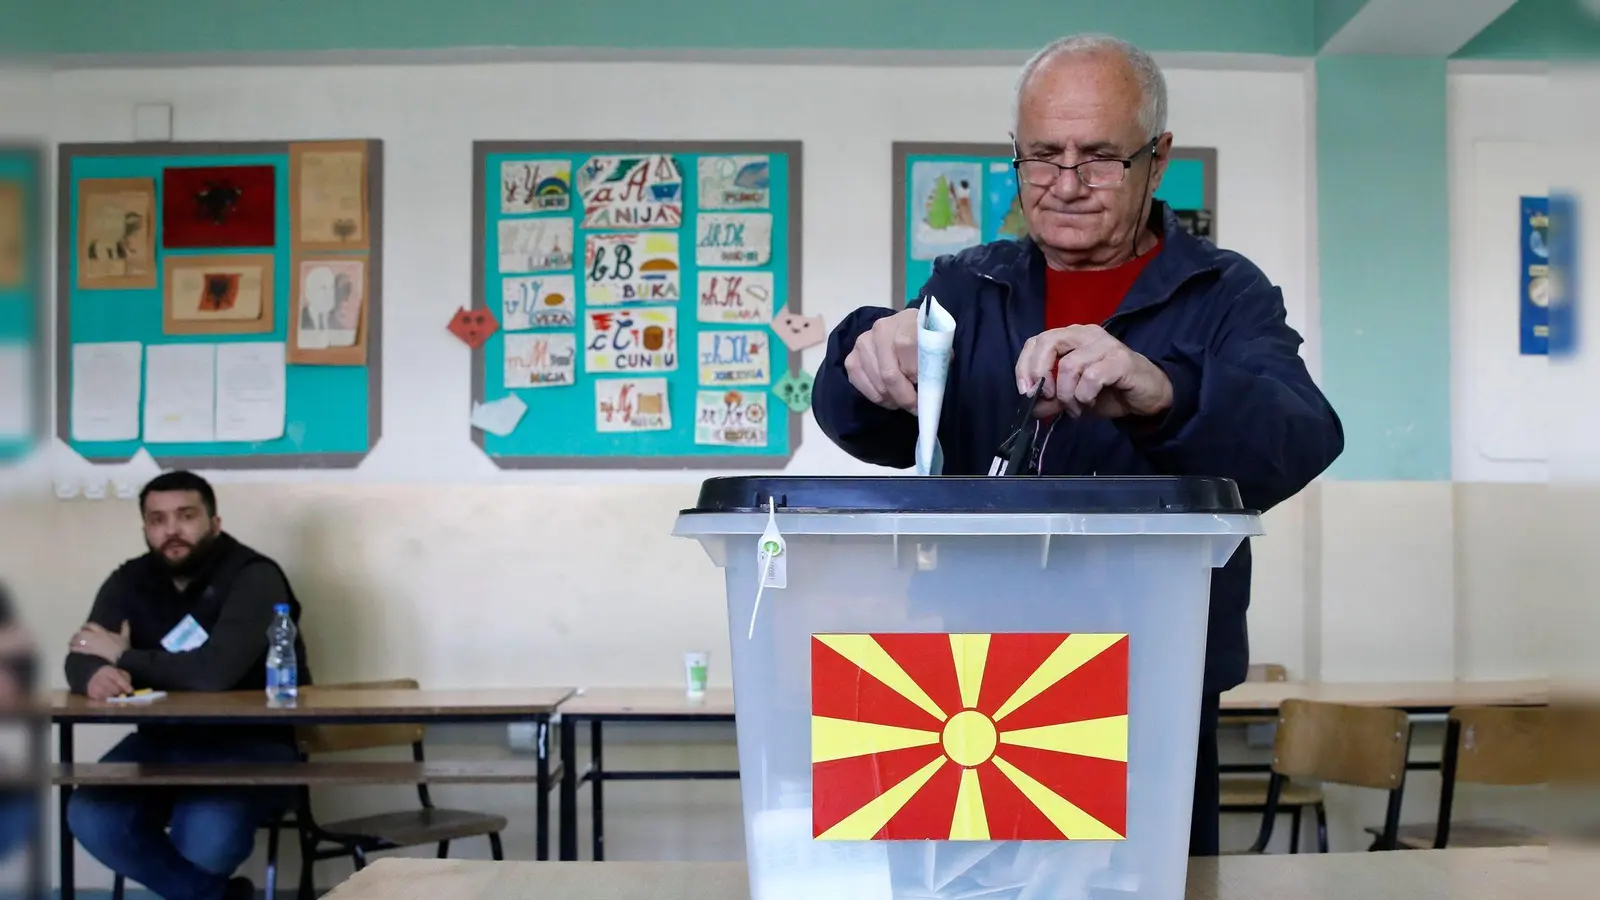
(143, 695)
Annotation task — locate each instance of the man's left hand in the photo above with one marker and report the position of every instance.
(93, 640)
(1097, 373)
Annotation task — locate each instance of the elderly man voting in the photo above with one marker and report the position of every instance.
(190, 615)
(1151, 352)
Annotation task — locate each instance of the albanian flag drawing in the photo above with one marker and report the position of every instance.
(969, 737)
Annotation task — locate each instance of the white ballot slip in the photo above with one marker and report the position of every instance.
(936, 335)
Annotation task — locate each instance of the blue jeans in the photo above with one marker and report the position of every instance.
(212, 830)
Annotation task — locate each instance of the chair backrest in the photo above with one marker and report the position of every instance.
(1500, 745)
(1267, 672)
(1342, 744)
(340, 738)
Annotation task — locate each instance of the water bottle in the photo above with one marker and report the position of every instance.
(283, 671)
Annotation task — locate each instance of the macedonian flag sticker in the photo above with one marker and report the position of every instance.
(969, 737)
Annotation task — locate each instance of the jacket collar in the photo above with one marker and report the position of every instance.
(1182, 257)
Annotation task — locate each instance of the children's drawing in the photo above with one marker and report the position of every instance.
(638, 267)
(538, 301)
(631, 340)
(541, 360)
(733, 239)
(631, 192)
(734, 297)
(331, 295)
(535, 185)
(535, 245)
(1001, 207)
(735, 182)
(799, 332)
(794, 389)
(945, 219)
(735, 357)
(631, 404)
(473, 326)
(731, 418)
(116, 233)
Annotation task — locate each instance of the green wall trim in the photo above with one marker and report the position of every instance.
(1328, 16)
(222, 26)
(1538, 29)
(1384, 257)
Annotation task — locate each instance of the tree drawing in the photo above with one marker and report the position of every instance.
(941, 215)
(1014, 225)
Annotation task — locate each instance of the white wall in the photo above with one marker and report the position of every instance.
(847, 116)
(384, 561)
(1498, 153)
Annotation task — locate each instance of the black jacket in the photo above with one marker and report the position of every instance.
(232, 597)
(1244, 406)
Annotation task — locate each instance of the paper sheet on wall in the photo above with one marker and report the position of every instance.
(180, 393)
(106, 379)
(16, 392)
(251, 388)
(936, 333)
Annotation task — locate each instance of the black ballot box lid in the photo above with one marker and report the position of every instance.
(1083, 495)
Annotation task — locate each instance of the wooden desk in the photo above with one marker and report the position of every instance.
(1400, 875)
(1420, 697)
(600, 705)
(315, 706)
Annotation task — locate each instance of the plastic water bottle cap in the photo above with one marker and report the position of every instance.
(281, 608)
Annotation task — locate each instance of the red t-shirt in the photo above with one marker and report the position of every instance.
(1089, 297)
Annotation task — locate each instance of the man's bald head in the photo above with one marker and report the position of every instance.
(1140, 67)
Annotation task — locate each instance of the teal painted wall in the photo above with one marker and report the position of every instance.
(218, 26)
(1328, 16)
(1384, 259)
(1538, 29)
(23, 26)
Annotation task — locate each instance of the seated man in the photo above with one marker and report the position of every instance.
(190, 615)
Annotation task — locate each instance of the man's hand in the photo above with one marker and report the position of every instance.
(107, 682)
(883, 364)
(96, 641)
(1097, 373)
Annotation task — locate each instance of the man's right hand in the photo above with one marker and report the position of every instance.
(109, 681)
(883, 364)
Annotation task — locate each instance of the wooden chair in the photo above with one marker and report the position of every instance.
(357, 837)
(1339, 744)
(1486, 745)
(1248, 794)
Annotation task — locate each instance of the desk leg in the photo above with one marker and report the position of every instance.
(542, 806)
(597, 801)
(68, 845)
(569, 790)
(39, 847)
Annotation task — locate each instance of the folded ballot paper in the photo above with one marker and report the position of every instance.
(936, 335)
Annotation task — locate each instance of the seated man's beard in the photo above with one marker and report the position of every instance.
(198, 553)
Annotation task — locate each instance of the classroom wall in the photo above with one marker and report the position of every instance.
(429, 562)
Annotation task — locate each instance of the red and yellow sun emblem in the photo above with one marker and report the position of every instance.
(969, 737)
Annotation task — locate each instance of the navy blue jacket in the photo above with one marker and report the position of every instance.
(1244, 406)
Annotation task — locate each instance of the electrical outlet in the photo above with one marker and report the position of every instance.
(126, 489)
(94, 488)
(68, 488)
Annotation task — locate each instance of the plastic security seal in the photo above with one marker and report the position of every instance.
(771, 561)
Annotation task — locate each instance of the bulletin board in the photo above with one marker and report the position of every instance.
(230, 294)
(24, 376)
(639, 299)
(970, 193)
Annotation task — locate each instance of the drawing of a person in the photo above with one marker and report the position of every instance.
(317, 301)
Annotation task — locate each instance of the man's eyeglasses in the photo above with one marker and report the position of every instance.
(1103, 172)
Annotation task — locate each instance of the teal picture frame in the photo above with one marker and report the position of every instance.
(333, 414)
(1189, 186)
(558, 429)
